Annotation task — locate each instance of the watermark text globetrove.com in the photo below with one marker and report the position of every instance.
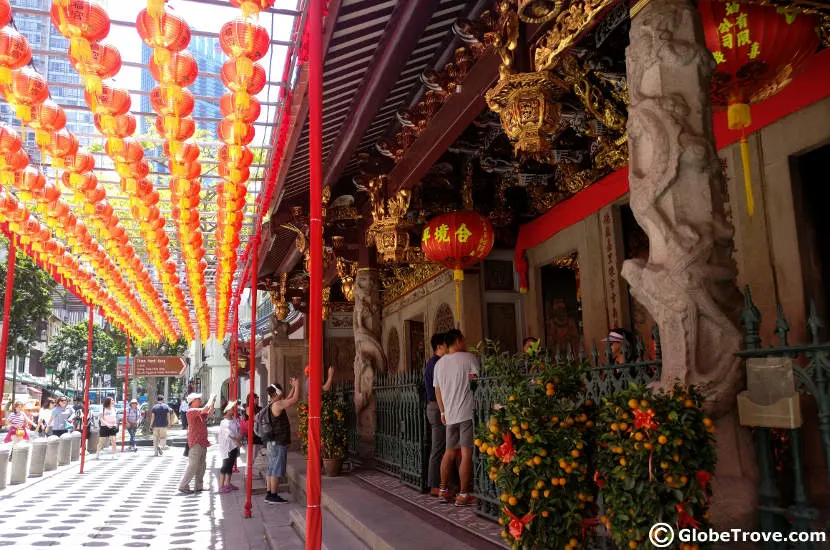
(662, 535)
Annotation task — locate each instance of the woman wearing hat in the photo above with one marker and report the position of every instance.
(229, 442)
(133, 417)
(622, 346)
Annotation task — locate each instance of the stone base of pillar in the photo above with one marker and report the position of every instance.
(366, 427)
(736, 479)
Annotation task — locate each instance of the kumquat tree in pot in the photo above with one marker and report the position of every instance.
(538, 446)
(655, 459)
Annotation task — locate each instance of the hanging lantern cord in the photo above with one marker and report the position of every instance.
(739, 118)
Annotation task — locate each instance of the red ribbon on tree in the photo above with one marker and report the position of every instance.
(703, 478)
(517, 525)
(684, 519)
(506, 452)
(599, 479)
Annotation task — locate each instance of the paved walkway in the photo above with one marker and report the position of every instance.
(130, 501)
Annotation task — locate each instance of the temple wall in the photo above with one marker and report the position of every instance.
(584, 237)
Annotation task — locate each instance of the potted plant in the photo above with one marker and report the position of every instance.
(333, 434)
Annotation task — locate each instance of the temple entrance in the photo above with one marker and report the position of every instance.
(811, 195)
(562, 304)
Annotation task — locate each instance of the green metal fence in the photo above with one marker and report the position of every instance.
(345, 396)
(784, 504)
(601, 380)
(401, 445)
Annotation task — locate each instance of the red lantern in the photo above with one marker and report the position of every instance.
(240, 75)
(165, 34)
(188, 152)
(251, 8)
(5, 13)
(28, 181)
(234, 132)
(118, 127)
(238, 156)
(104, 62)
(234, 175)
(130, 151)
(457, 241)
(26, 89)
(110, 101)
(82, 161)
(175, 129)
(187, 170)
(9, 140)
(240, 38)
(47, 117)
(758, 49)
(228, 108)
(180, 70)
(82, 22)
(164, 101)
(61, 144)
(49, 193)
(15, 53)
(13, 161)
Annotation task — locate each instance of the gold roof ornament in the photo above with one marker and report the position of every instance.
(530, 113)
(277, 294)
(389, 231)
(326, 304)
(346, 270)
(539, 11)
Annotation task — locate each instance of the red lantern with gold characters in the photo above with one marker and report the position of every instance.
(82, 22)
(26, 89)
(240, 38)
(14, 53)
(166, 34)
(458, 240)
(758, 50)
(104, 62)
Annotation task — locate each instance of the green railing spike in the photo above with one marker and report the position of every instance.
(594, 354)
(814, 323)
(609, 354)
(569, 353)
(782, 327)
(639, 348)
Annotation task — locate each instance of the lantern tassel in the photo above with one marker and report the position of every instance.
(5, 75)
(458, 276)
(739, 117)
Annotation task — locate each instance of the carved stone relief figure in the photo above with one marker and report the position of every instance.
(369, 356)
(688, 281)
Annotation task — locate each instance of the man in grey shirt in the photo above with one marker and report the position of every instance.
(60, 416)
(455, 401)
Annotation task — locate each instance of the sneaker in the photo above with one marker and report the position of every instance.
(232, 487)
(434, 492)
(186, 490)
(465, 500)
(225, 489)
(271, 498)
(160, 452)
(278, 500)
(444, 495)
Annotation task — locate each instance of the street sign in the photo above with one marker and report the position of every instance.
(157, 366)
(121, 367)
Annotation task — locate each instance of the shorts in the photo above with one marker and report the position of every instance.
(106, 431)
(460, 434)
(277, 455)
(227, 464)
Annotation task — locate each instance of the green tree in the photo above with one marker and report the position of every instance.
(32, 301)
(162, 348)
(67, 352)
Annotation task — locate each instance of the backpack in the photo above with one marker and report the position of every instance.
(262, 424)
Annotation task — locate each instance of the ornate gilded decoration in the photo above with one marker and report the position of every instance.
(301, 242)
(506, 36)
(389, 231)
(401, 280)
(529, 111)
(346, 271)
(326, 305)
(277, 295)
(591, 95)
(444, 319)
(612, 155)
(579, 17)
(539, 11)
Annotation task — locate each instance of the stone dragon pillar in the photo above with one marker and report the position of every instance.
(369, 356)
(688, 283)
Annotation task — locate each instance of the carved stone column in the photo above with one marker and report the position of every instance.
(369, 357)
(688, 282)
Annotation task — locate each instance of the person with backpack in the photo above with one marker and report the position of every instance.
(272, 425)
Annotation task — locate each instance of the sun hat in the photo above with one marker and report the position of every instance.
(134, 401)
(193, 396)
(230, 406)
(614, 336)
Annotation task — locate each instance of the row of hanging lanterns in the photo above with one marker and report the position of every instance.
(54, 258)
(245, 42)
(28, 92)
(112, 118)
(175, 69)
(31, 185)
(85, 24)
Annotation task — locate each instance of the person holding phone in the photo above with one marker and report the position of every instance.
(197, 440)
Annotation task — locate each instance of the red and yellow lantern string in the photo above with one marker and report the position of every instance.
(175, 69)
(244, 42)
(28, 92)
(113, 120)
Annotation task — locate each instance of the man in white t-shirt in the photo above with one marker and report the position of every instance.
(455, 401)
